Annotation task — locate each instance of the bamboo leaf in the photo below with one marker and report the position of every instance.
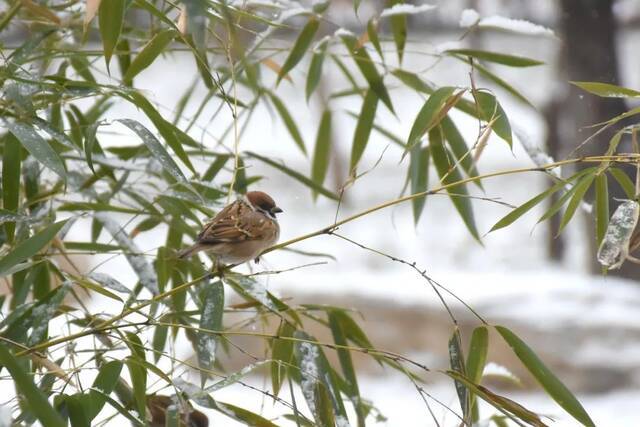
(459, 148)
(502, 83)
(149, 53)
(37, 146)
(363, 127)
(426, 117)
(34, 397)
(458, 193)
(288, 122)
(476, 359)
(413, 81)
(320, 163)
(607, 90)
(398, 29)
(372, 33)
(111, 20)
(282, 355)
(295, 175)
(456, 358)
(495, 57)
(30, 247)
(211, 319)
(624, 181)
(11, 160)
(490, 109)
(315, 67)
(602, 207)
(419, 177)
(300, 47)
(551, 384)
(156, 148)
(581, 188)
(368, 69)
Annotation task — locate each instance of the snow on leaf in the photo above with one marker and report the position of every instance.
(309, 372)
(109, 282)
(495, 370)
(42, 313)
(406, 9)
(615, 246)
(468, 18)
(140, 265)
(519, 26)
(535, 152)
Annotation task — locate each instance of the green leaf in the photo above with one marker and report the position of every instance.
(528, 205)
(607, 90)
(456, 358)
(80, 407)
(551, 384)
(89, 141)
(299, 48)
(111, 20)
(413, 81)
(37, 146)
(282, 355)
(137, 372)
(149, 53)
(156, 148)
(624, 181)
(246, 417)
(295, 175)
(104, 384)
(581, 188)
(490, 109)
(211, 319)
(502, 83)
(498, 58)
(457, 193)
(35, 399)
(171, 134)
(427, 116)
(398, 29)
(288, 122)
(476, 360)
(368, 69)
(11, 159)
(30, 247)
(363, 127)
(419, 177)
(459, 148)
(320, 163)
(315, 67)
(372, 33)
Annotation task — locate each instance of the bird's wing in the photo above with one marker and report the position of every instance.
(235, 223)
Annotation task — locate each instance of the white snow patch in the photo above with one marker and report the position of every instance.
(343, 32)
(519, 26)
(309, 373)
(493, 369)
(615, 245)
(406, 9)
(468, 18)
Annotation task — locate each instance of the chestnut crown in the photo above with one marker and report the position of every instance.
(263, 202)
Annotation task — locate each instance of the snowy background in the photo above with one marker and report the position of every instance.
(586, 328)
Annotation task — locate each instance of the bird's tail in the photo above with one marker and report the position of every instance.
(187, 252)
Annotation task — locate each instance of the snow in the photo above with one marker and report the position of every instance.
(406, 9)
(468, 18)
(615, 245)
(519, 26)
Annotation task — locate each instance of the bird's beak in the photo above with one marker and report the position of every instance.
(276, 210)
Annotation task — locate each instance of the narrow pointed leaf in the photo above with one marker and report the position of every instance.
(288, 122)
(156, 148)
(456, 359)
(320, 163)
(282, 355)
(458, 193)
(300, 47)
(398, 29)
(624, 181)
(37, 146)
(491, 109)
(28, 248)
(111, 20)
(363, 127)
(419, 177)
(210, 319)
(149, 53)
(315, 67)
(372, 33)
(425, 119)
(607, 90)
(368, 69)
(34, 397)
(602, 207)
(495, 57)
(581, 189)
(476, 360)
(502, 83)
(551, 384)
(11, 160)
(459, 148)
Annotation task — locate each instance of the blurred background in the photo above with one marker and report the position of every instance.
(547, 288)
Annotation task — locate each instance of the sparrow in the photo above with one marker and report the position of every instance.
(239, 232)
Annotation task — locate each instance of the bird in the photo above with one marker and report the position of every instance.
(239, 232)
